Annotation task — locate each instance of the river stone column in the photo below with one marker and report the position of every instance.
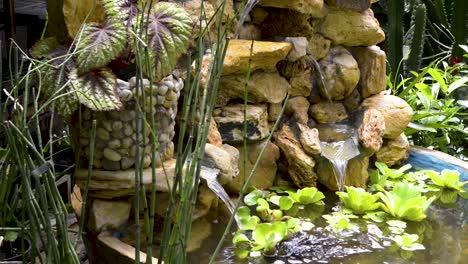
(118, 134)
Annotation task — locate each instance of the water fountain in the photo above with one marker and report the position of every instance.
(339, 145)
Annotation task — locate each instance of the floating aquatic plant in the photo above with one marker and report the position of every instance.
(358, 200)
(446, 186)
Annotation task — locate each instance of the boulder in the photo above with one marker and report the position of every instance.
(351, 28)
(230, 122)
(318, 46)
(258, 15)
(108, 215)
(340, 72)
(309, 138)
(250, 32)
(299, 47)
(393, 150)
(218, 158)
(263, 86)
(353, 101)
(265, 173)
(214, 137)
(314, 8)
(300, 165)
(371, 130)
(372, 63)
(301, 83)
(265, 55)
(298, 107)
(328, 112)
(282, 23)
(274, 112)
(396, 112)
(356, 5)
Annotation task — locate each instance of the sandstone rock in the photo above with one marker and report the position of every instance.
(356, 172)
(341, 73)
(356, 5)
(108, 215)
(267, 87)
(351, 28)
(328, 112)
(300, 165)
(231, 122)
(301, 84)
(205, 200)
(393, 151)
(372, 130)
(299, 47)
(396, 112)
(318, 46)
(193, 8)
(229, 12)
(293, 24)
(214, 137)
(235, 156)
(372, 63)
(250, 31)
(265, 174)
(265, 55)
(204, 68)
(309, 138)
(298, 107)
(274, 112)
(217, 158)
(316, 8)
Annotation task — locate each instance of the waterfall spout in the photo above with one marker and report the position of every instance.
(248, 7)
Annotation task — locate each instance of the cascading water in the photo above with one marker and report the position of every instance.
(248, 7)
(211, 177)
(339, 148)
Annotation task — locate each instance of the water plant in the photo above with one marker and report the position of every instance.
(408, 242)
(305, 196)
(341, 220)
(358, 200)
(446, 186)
(405, 201)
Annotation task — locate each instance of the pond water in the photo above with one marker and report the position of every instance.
(444, 232)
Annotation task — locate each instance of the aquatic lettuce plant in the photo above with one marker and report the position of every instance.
(408, 242)
(340, 220)
(358, 200)
(305, 196)
(446, 186)
(405, 201)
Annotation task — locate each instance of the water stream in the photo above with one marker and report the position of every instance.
(210, 175)
(248, 7)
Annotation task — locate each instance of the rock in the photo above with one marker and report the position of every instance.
(214, 137)
(396, 112)
(228, 13)
(356, 172)
(127, 163)
(393, 151)
(341, 73)
(353, 101)
(265, 55)
(301, 83)
(250, 31)
(112, 155)
(298, 107)
(372, 130)
(356, 5)
(300, 165)
(231, 122)
(108, 165)
(328, 112)
(299, 47)
(204, 69)
(258, 15)
(309, 138)
(201, 229)
(205, 200)
(372, 63)
(108, 215)
(351, 28)
(293, 24)
(265, 174)
(318, 46)
(274, 112)
(194, 9)
(263, 86)
(102, 133)
(235, 155)
(315, 8)
(218, 158)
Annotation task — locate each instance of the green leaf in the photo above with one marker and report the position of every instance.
(439, 78)
(11, 236)
(358, 200)
(124, 10)
(245, 220)
(408, 242)
(457, 84)
(307, 195)
(448, 196)
(251, 198)
(96, 89)
(268, 235)
(241, 253)
(100, 44)
(44, 47)
(286, 202)
(168, 36)
(240, 238)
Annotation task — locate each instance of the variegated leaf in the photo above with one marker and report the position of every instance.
(100, 44)
(167, 36)
(96, 89)
(44, 47)
(124, 10)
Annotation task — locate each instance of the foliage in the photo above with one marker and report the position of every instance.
(308, 195)
(341, 220)
(84, 76)
(438, 99)
(405, 201)
(408, 242)
(446, 185)
(358, 200)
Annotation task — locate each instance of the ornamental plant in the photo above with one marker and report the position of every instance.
(358, 200)
(446, 186)
(159, 34)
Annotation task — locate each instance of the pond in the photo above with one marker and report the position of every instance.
(444, 232)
